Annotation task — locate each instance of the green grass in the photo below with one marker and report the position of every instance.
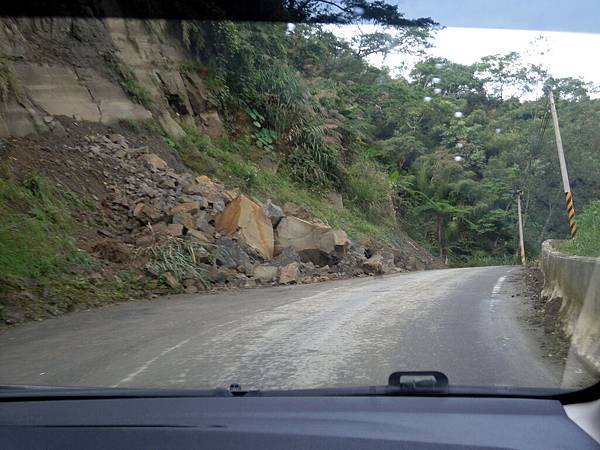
(35, 228)
(481, 259)
(7, 77)
(42, 272)
(128, 82)
(138, 93)
(587, 240)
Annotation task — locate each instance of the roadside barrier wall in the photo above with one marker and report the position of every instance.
(576, 281)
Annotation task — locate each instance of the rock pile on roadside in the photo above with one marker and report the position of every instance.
(238, 240)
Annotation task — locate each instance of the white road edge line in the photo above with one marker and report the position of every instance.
(147, 364)
(498, 286)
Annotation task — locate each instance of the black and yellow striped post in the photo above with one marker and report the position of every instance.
(563, 167)
(571, 213)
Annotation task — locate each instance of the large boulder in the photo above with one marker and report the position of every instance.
(286, 256)
(292, 209)
(249, 220)
(374, 265)
(315, 242)
(379, 263)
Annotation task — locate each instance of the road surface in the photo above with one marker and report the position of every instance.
(468, 323)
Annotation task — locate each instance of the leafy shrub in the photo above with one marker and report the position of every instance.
(313, 161)
(369, 188)
(587, 240)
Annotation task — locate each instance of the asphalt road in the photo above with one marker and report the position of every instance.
(467, 323)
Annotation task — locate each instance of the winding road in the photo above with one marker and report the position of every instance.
(468, 323)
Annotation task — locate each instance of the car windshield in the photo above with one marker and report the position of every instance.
(363, 188)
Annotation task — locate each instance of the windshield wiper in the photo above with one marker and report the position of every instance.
(399, 383)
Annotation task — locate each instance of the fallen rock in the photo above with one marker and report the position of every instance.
(380, 263)
(292, 209)
(190, 289)
(415, 263)
(287, 256)
(189, 281)
(209, 190)
(289, 274)
(314, 242)
(202, 222)
(274, 213)
(231, 195)
(146, 214)
(200, 235)
(231, 255)
(192, 189)
(184, 219)
(244, 216)
(154, 162)
(334, 242)
(175, 229)
(159, 228)
(265, 273)
(388, 261)
(144, 239)
(171, 280)
(351, 263)
(374, 265)
(186, 207)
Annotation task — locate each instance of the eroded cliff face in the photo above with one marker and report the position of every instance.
(100, 71)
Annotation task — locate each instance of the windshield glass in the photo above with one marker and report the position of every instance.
(361, 189)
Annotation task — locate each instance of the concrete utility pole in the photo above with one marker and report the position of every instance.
(563, 167)
(521, 239)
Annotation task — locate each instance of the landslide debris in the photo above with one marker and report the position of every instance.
(174, 231)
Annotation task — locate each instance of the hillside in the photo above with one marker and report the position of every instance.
(123, 177)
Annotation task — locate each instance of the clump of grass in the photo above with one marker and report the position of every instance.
(36, 228)
(129, 83)
(138, 93)
(7, 77)
(181, 257)
(587, 240)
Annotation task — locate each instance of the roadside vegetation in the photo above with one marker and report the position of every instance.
(7, 77)
(438, 152)
(42, 271)
(587, 239)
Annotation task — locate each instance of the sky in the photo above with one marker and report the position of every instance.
(562, 54)
(548, 15)
(472, 29)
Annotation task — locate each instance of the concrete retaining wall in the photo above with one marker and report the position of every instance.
(576, 281)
